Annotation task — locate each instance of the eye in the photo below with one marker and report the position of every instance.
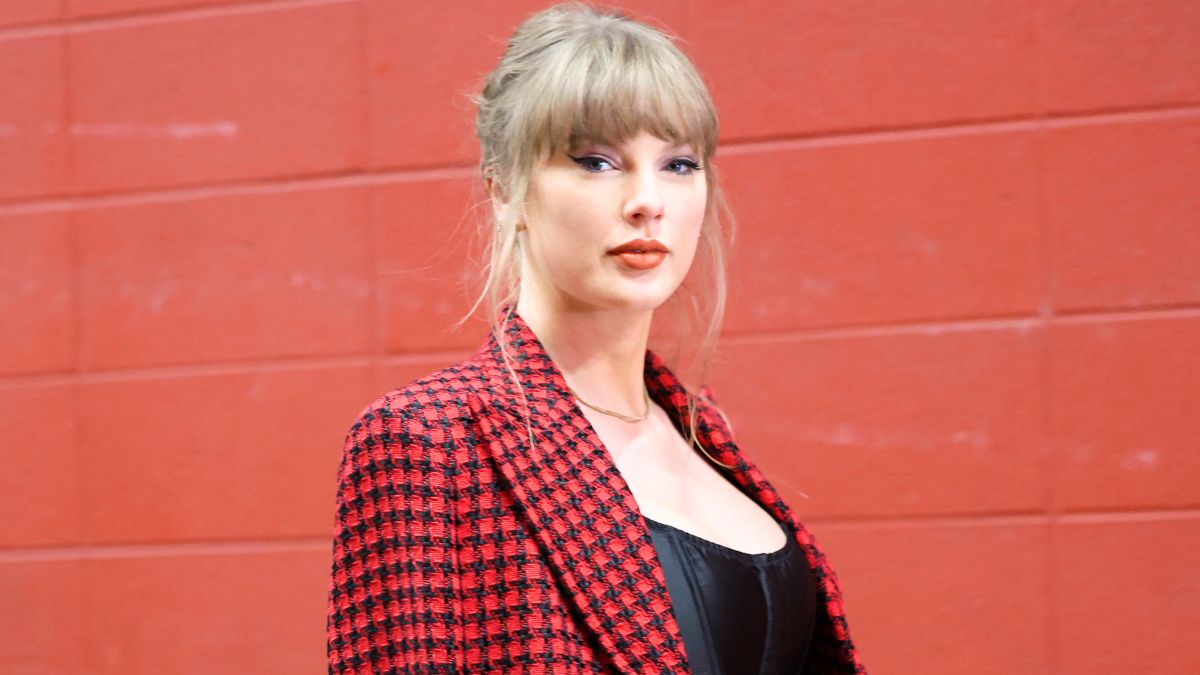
(592, 163)
(683, 166)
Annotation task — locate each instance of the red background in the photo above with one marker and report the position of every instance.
(964, 322)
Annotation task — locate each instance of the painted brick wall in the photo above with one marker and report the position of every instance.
(962, 334)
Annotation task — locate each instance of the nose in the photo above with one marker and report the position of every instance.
(645, 203)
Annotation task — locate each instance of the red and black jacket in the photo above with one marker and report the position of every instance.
(460, 547)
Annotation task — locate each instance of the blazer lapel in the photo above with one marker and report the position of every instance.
(581, 511)
(713, 433)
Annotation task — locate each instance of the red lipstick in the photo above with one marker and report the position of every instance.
(640, 254)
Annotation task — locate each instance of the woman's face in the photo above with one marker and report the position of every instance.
(614, 226)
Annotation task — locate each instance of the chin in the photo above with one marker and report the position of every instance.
(645, 301)
(643, 294)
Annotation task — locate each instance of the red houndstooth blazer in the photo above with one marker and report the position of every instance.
(460, 547)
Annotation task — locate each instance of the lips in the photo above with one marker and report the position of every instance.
(639, 246)
(640, 254)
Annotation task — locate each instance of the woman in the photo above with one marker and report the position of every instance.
(561, 502)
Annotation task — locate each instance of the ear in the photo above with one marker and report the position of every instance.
(498, 197)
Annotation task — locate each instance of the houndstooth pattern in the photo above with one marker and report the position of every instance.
(460, 547)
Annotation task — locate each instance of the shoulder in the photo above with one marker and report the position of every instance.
(442, 394)
(419, 421)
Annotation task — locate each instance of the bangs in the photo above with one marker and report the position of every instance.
(611, 86)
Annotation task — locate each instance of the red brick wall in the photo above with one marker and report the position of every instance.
(961, 338)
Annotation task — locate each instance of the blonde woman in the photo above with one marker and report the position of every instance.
(561, 502)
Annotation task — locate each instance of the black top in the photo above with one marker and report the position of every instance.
(748, 613)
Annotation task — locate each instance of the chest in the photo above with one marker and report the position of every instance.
(676, 484)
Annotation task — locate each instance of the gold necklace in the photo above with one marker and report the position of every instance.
(627, 418)
(606, 411)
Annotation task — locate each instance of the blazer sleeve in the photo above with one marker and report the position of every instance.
(393, 602)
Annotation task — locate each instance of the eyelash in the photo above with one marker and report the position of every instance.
(691, 165)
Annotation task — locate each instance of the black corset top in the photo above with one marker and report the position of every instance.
(739, 613)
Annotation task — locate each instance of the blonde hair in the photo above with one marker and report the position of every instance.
(574, 73)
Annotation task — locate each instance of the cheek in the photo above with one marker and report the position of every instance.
(563, 232)
(574, 216)
(687, 252)
(563, 237)
(694, 210)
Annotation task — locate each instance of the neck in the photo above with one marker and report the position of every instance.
(601, 353)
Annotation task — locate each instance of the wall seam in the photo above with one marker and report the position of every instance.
(417, 172)
(1052, 460)
(377, 301)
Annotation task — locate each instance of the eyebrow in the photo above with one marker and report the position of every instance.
(616, 146)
